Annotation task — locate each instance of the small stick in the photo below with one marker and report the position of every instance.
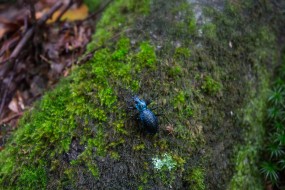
(70, 3)
(5, 93)
(32, 11)
(30, 32)
(7, 119)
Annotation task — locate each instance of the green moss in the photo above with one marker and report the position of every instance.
(146, 57)
(179, 100)
(116, 18)
(33, 178)
(175, 71)
(188, 26)
(139, 147)
(182, 52)
(196, 179)
(79, 107)
(210, 31)
(192, 25)
(90, 108)
(115, 155)
(90, 100)
(211, 86)
(247, 174)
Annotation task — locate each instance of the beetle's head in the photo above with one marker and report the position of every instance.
(140, 104)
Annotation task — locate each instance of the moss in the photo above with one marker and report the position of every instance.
(182, 52)
(78, 108)
(175, 71)
(196, 179)
(210, 31)
(115, 155)
(139, 147)
(88, 109)
(179, 100)
(90, 101)
(188, 26)
(192, 25)
(116, 18)
(247, 174)
(146, 57)
(33, 178)
(211, 86)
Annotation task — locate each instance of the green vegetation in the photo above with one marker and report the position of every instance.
(182, 53)
(274, 151)
(166, 165)
(211, 86)
(210, 31)
(196, 179)
(76, 109)
(81, 130)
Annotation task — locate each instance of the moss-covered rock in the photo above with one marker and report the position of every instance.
(200, 75)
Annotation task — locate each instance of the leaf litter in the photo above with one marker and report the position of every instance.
(51, 48)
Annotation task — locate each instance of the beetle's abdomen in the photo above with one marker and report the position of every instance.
(149, 121)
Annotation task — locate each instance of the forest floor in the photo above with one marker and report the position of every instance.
(32, 64)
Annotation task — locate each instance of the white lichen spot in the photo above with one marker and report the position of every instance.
(166, 162)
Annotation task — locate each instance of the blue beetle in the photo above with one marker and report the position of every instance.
(147, 118)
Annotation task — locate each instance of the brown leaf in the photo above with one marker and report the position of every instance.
(7, 26)
(75, 13)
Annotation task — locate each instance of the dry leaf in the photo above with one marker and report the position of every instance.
(78, 13)
(13, 105)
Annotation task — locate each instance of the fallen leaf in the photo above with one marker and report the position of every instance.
(7, 26)
(77, 13)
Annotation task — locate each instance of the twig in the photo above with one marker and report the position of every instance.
(6, 92)
(30, 32)
(22, 43)
(44, 18)
(32, 11)
(70, 3)
(7, 119)
(3, 101)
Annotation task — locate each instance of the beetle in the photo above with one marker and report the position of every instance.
(147, 118)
